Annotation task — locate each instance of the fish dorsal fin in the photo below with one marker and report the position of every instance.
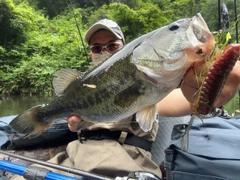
(146, 117)
(63, 78)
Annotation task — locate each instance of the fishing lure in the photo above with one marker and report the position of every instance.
(216, 78)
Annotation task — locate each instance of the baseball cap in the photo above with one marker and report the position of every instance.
(104, 24)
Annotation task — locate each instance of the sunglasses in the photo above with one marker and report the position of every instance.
(110, 47)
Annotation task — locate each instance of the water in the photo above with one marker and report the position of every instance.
(14, 105)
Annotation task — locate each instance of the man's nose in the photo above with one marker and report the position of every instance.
(105, 50)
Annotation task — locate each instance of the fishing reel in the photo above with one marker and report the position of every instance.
(139, 175)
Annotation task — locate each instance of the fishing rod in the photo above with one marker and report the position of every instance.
(32, 172)
(56, 166)
(38, 173)
(79, 32)
(236, 19)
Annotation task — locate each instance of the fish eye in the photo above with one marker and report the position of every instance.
(173, 27)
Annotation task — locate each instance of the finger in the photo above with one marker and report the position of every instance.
(73, 122)
(72, 127)
(192, 82)
(194, 75)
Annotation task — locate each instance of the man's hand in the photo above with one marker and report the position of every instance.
(73, 122)
(192, 82)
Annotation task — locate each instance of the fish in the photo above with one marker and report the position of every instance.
(131, 81)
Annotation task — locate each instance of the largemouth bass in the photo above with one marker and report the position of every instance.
(131, 81)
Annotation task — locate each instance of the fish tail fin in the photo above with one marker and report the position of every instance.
(29, 123)
(146, 117)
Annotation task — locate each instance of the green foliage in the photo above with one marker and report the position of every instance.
(134, 23)
(10, 33)
(50, 8)
(232, 105)
(49, 46)
(31, 77)
(184, 8)
(15, 22)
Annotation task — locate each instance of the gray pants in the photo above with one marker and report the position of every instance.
(163, 138)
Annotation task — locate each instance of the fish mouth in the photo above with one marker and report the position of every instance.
(200, 28)
(201, 38)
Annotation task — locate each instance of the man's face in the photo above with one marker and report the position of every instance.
(104, 41)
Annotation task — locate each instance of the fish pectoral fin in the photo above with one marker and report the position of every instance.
(29, 123)
(63, 78)
(146, 117)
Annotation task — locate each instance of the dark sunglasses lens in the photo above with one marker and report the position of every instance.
(96, 49)
(113, 47)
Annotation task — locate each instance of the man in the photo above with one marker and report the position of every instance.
(105, 32)
(115, 149)
(132, 145)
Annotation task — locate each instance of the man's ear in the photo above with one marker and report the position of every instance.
(92, 55)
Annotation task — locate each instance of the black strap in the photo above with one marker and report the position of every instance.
(114, 135)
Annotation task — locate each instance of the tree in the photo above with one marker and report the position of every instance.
(134, 23)
(49, 45)
(184, 8)
(14, 22)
